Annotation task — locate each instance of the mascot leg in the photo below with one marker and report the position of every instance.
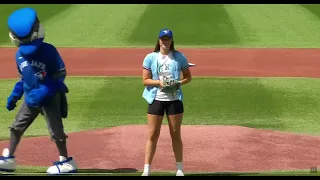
(64, 105)
(23, 120)
(53, 115)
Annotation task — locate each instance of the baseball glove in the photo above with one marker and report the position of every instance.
(168, 82)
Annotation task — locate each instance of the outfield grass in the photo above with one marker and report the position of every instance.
(313, 8)
(275, 25)
(194, 25)
(285, 104)
(45, 12)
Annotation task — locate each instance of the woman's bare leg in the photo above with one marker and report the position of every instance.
(154, 128)
(175, 122)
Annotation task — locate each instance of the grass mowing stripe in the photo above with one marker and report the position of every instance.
(287, 25)
(278, 25)
(117, 104)
(250, 25)
(45, 13)
(79, 100)
(313, 8)
(284, 104)
(89, 25)
(192, 24)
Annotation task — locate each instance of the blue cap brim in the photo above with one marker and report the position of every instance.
(164, 35)
(29, 48)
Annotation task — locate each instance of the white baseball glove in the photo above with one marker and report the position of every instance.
(168, 82)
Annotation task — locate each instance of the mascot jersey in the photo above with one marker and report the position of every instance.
(36, 60)
(36, 67)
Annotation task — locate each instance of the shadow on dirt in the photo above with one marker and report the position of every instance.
(117, 170)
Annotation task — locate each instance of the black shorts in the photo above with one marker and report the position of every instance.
(168, 107)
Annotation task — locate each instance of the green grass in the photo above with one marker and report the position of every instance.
(45, 13)
(94, 25)
(313, 8)
(87, 25)
(192, 24)
(211, 25)
(40, 171)
(280, 25)
(284, 104)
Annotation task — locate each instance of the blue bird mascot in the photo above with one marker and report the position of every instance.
(42, 73)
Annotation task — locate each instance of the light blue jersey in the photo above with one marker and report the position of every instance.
(177, 63)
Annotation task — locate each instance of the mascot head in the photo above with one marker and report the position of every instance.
(25, 30)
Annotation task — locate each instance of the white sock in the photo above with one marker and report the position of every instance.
(146, 168)
(179, 166)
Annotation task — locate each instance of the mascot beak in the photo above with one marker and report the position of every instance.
(29, 48)
(38, 37)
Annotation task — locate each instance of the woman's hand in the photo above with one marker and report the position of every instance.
(168, 82)
(161, 84)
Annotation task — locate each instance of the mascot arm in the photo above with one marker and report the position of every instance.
(52, 83)
(48, 88)
(60, 72)
(60, 75)
(18, 90)
(57, 80)
(45, 91)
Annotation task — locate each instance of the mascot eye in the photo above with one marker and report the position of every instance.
(14, 40)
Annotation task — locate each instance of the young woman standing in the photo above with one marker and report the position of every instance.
(162, 79)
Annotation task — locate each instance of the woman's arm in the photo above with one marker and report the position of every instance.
(147, 79)
(186, 76)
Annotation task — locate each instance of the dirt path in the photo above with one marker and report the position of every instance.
(207, 148)
(210, 62)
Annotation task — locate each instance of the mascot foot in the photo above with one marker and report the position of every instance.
(65, 165)
(7, 163)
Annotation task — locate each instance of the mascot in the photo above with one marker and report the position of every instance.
(42, 74)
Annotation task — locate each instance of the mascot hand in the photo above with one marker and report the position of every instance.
(43, 94)
(35, 97)
(11, 102)
(15, 96)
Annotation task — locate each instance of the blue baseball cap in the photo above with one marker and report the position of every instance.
(165, 32)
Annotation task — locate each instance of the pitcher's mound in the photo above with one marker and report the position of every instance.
(206, 148)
